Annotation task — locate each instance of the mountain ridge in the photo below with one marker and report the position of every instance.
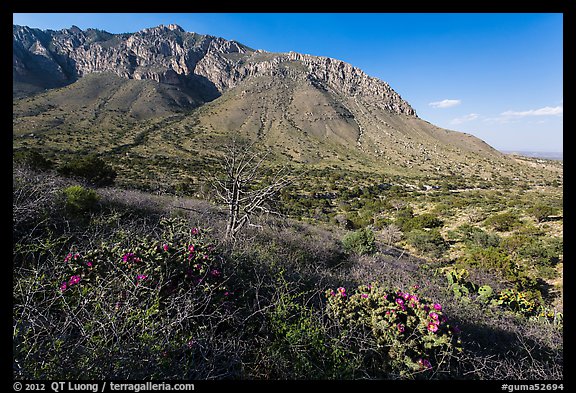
(73, 87)
(168, 53)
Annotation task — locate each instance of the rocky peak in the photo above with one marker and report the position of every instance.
(175, 27)
(168, 54)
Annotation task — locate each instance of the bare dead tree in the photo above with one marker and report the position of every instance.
(243, 188)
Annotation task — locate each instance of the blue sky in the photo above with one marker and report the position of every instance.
(496, 76)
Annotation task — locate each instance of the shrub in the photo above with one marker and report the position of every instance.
(410, 335)
(541, 212)
(474, 236)
(32, 159)
(80, 200)
(502, 222)
(90, 168)
(303, 344)
(426, 220)
(360, 242)
(160, 299)
(428, 242)
(491, 259)
(404, 218)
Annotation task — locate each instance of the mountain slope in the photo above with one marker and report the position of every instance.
(162, 89)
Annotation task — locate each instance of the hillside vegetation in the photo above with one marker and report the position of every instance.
(363, 277)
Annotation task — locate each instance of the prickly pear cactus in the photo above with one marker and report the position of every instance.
(485, 293)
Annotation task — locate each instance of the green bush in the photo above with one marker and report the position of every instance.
(426, 220)
(80, 200)
(360, 242)
(474, 236)
(541, 212)
(33, 159)
(502, 222)
(428, 242)
(491, 259)
(304, 345)
(404, 219)
(90, 168)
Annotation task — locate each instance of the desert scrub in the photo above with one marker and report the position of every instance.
(430, 243)
(90, 168)
(503, 222)
(304, 345)
(32, 159)
(360, 242)
(80, 200)
(411, 335)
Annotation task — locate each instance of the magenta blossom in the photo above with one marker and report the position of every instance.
(400, 327)
(141, 277)
(71, 256)
(433, 315)
(400, 302)
(364, 295)
(63, 286)
(130, 257)
(425, 363)
(195, 231)
(89, 264)
(165, 247)
(437, 307)
(342, 291)
(191, 248)
(432, 327)
(74, 280)
(215, 273)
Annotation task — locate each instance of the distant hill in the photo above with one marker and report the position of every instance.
(166, 90)
(558, 156)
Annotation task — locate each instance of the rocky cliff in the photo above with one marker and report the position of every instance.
(168, 54)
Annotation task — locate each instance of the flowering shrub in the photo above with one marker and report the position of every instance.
(151, 303)
(411, 332)
(170, 265)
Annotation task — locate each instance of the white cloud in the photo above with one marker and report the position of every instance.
(465, 118)
(546, 111)
(445, 103)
